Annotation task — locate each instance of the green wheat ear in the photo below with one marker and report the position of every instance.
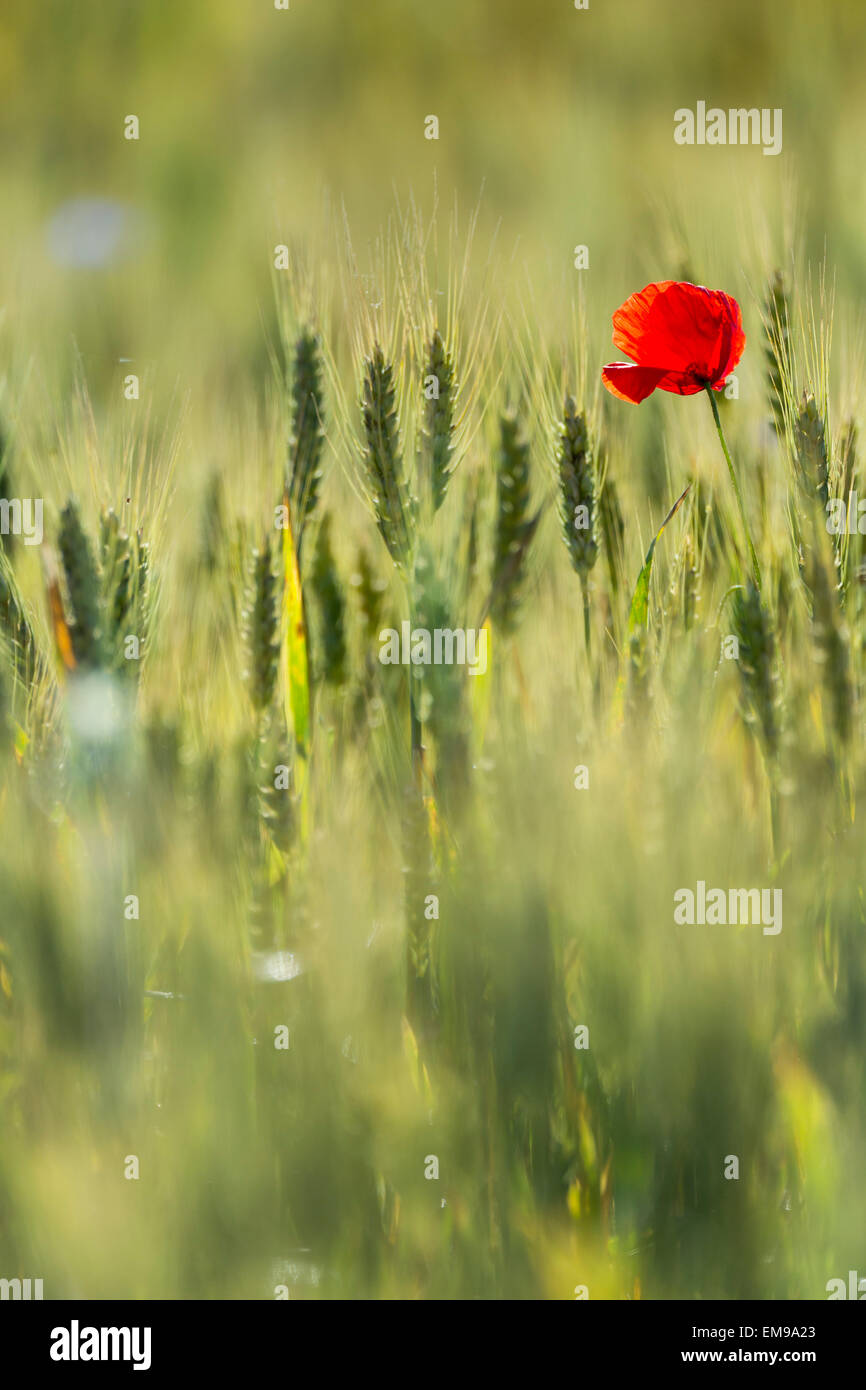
(261, 622)
(514, 526)
(213, 529)
(685, 586)
(7, 489)
(810, 441)
(277, 806)
(118, 585)
(577, 507)
(440, 691)
(143, 603)
(437, 427)
(848, 457)
(15, 627)
(831, 644)
(382, 457)
(848, 548)
(776, 347)
(82, 586)
(331, 605)
(611, 526)
(307, 437)
(757, 663)
(371, 595)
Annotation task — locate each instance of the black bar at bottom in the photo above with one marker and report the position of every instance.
(66, 1339)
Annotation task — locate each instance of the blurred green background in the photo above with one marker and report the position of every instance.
(260, 127)
(250, 117)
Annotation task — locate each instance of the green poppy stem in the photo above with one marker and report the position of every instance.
(755, 566)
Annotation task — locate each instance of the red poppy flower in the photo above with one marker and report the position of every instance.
(682, 337)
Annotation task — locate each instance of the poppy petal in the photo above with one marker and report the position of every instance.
(631, 383)
(733, 340)
(685, 329)
(631, 322)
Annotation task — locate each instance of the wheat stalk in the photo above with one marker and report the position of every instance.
(331, 605)
(437, 428)
(82, 586)
(577, 508)
(382, 457)
(777, 349)
(757, 662)
(307, 439)
(262, 627)
(811, 450)
(514, 525)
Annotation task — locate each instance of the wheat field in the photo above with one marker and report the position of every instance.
(330, 969)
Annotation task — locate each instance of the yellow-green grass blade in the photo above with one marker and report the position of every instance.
(294, 657)
(479, 696)
(638, 613)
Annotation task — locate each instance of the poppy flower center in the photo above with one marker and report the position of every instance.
(698, 373)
